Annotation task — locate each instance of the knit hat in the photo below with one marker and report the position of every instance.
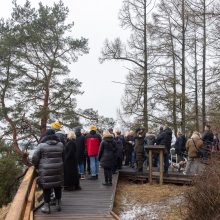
(93, 128)
(56, 125)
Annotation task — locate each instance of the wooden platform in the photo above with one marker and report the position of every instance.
(94, 201)
(173, 177)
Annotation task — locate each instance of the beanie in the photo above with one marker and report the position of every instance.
(93, 128)
(56, 125)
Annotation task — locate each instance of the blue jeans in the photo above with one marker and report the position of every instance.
(94, 165)
(81, 168)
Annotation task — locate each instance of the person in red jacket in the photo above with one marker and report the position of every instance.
(92, 141)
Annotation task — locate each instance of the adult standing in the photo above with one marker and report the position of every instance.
(139, 148)
(80, 149)
(207, 138)
(165, 138)
(93, 141)
(193, 144)
(180, 146)
(71, 174)
(48, 159)
(129, 148)
(107, 154)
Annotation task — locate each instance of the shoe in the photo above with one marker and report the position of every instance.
(68, 188)
(58, 205)
(46, 208)
(105, 183)
(82, 177)
(78, 188)
(92, 178)
(97, 176)
(110, 183)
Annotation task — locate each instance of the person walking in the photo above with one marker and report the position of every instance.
(93, 141)
(107, 156)
(48, 160)
(71, 174)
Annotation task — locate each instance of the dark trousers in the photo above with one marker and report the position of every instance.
(87, 164)
(47, 193)
(108, 175)
(166, 162)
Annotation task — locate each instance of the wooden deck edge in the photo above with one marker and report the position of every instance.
(114, 192)
(18, 205)
(115, 215)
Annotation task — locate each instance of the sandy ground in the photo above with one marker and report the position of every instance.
(150, 202)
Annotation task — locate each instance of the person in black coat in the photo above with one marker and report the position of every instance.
(48, 160)
(71, 175)
(165, 138)
(80, 151)
(180, 146)
(107, 156)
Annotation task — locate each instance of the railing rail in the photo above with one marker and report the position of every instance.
(23, 202)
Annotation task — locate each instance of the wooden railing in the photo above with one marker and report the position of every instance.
(22, 206)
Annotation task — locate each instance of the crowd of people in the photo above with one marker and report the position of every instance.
(63, 160)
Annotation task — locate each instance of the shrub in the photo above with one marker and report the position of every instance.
(10, 169)
(203, 200)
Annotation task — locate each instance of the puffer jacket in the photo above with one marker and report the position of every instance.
(48, 159)
(190, 146)
(107, 152)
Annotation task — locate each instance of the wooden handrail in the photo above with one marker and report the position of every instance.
(21, 199)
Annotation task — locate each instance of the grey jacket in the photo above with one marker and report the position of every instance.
(48, 159)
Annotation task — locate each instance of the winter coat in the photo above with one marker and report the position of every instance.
(107, 152)
(129, 144)
(93, 141)
(150, 139)
(190, 147)
(208, 137)
(165, 139)
(71, 176)
(139, 144)
(180, 145)
(48, 159)
(80, 146)
(119, 147)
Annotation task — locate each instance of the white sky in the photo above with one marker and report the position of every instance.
(95, 20)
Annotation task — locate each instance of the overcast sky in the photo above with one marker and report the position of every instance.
(95, 20)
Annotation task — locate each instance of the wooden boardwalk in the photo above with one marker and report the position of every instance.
(173, 176)
(94, 201)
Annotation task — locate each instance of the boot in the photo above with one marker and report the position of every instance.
(58, 205)
(46, 208)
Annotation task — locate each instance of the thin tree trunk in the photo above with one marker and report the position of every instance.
(174, 83)
(183, 69)
(204, 67)
(145, 70)
(196, 86)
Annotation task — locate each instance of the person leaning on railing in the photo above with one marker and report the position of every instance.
(48, 160)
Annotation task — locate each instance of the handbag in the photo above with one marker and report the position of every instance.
(200, 153)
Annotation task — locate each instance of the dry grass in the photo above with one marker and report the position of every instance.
(145, 194)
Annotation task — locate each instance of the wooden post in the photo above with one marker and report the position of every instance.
(150, 166)
(151, 149)
(18, 205)
(161, 166)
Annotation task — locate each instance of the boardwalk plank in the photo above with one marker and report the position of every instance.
(93, 202)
